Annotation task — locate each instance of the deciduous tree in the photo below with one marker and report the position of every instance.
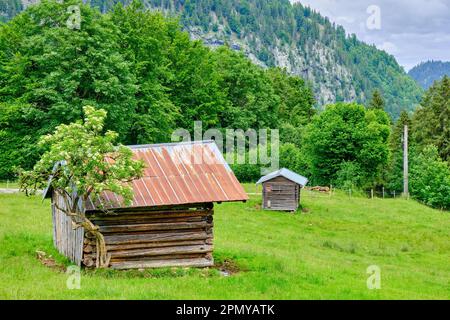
(347, 132)
(83, 162)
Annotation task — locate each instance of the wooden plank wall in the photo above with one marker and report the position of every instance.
(177, 236)
(67, 240)
(281, 194)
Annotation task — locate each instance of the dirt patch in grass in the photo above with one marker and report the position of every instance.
(305, 210)
(227, 267)
(49, 261)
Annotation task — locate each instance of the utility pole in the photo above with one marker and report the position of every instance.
(405, 163)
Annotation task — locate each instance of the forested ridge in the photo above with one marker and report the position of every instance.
(278, 33)
(9, 8)
(291, 36)
(152, 78)
(426, 73)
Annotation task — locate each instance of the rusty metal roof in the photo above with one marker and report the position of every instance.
(179, 173)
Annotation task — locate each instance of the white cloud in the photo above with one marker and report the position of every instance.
(388, 47)
(412, 30)
(344, 19)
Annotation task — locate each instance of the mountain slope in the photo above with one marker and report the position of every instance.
(9, 8)
(277, 33)
(426, 73)
(291, 36)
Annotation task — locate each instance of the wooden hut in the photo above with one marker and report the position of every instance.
(281, 190)
(170, 221)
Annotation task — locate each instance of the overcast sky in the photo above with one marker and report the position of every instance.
(412, 30)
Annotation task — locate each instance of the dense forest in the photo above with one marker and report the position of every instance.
(426, 73)
(151, 78)
(138, 66)
(339, 67)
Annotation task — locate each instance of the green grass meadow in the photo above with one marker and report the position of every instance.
(321, 254)
(9, 185)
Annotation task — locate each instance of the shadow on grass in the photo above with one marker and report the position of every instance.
(222, 267)
(151, 273)
(41, 248)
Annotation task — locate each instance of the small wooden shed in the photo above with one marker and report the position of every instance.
(281, 190)
(170, 221)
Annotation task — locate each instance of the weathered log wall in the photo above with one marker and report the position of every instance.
(173, 236)
(281, 194)
(67, 239)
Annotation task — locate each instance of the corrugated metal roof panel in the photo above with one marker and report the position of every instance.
(288, 174)
(179, 173)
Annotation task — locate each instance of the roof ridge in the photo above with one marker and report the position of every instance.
(145, 146)
(288, 174)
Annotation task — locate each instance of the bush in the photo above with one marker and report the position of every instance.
(349, 176)
(290, 158)
(246, 172)
(430, 179)
(291, 134)
(347, 132)
(293, 159)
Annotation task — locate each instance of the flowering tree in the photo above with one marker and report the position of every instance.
(83, 162)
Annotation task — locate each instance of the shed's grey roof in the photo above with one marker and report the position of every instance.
(288, 174)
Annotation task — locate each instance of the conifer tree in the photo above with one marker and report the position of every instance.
(377, 101)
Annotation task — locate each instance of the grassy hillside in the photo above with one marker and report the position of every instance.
(323, 254)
